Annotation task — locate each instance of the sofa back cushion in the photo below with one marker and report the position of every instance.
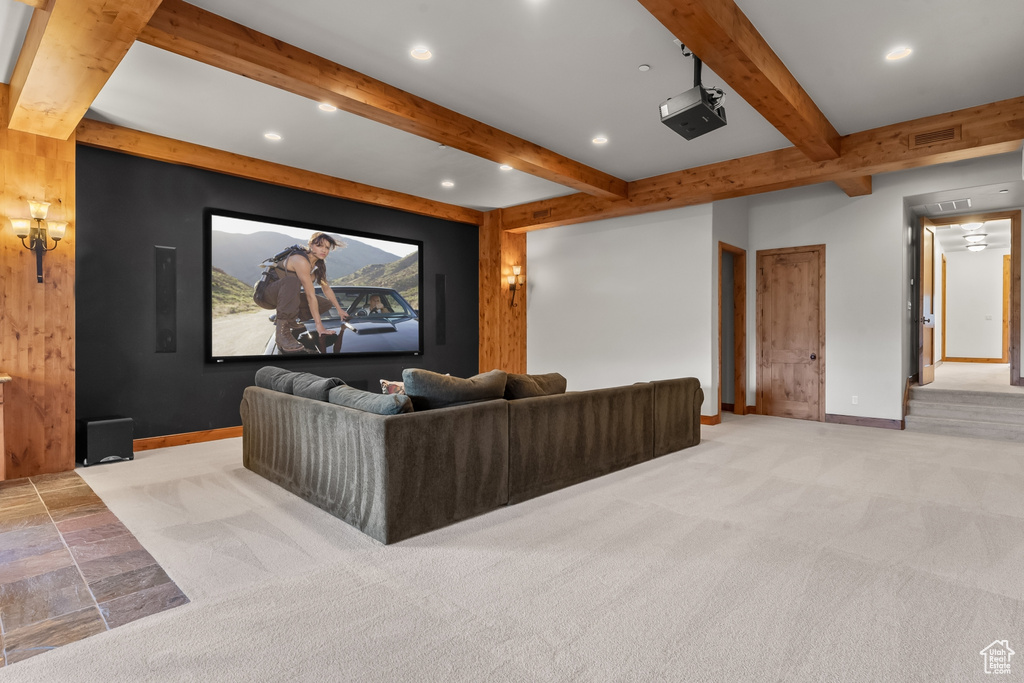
(277, 379)
(528, 386)
(308, 385)
(432, 390)
(381, 404)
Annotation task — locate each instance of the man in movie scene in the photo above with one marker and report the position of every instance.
(288, 286)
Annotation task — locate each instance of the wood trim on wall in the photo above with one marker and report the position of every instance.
(1006, 307)
(186, 438)
(739, 379)
(961, 359)
(711, 419)
(942, 333)
(864, 421)
(37, 337)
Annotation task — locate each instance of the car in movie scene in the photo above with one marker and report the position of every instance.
(381, 321)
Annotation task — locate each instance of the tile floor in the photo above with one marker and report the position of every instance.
(68, 568)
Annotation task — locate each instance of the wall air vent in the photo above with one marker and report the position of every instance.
(543, 213)
(934, 137)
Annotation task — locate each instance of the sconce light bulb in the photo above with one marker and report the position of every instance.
(22, 226)
(38, 208)
(56, 229)
(511, 279)
(516, 270)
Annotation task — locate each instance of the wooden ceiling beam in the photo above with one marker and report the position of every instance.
(149, 146)
(38, 4)
(192, 32)
(70, 50)
(725, 40)
(857, 186)
(980, 131)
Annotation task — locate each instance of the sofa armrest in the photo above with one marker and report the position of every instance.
(563, 439)
(677, 405)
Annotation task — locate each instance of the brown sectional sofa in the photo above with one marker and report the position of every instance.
(397, 476)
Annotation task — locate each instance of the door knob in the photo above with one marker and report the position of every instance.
(814, 356)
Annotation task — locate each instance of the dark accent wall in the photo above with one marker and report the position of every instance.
(128, 205)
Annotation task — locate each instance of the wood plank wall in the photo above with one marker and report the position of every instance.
(37, 321)
(502, 326)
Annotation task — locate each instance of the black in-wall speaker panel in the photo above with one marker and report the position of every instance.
(441, 317)
(166, 300)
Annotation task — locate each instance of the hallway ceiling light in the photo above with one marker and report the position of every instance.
(421, 53)
(447, 183)
(976, 247)
(600, 140)
(975, 237)
(323, 106)
(272, 136)
(971, 226)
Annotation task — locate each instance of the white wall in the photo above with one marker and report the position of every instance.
(974, 304)
(587, 280)
(623, 300)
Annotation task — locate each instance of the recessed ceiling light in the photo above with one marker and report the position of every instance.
(505, 167)
(644, 67)
(600, 140)
(327, 107)
(1003, 191)
(970, 227)
(447, 183)
(272, 136)
(975, 237)
(976, 247)
(898, 53)
(421, 53)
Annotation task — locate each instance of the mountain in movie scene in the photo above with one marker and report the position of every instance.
(229, 294)
(240, 255)
(402, 275)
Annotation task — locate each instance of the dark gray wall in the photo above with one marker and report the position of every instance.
(128, 205)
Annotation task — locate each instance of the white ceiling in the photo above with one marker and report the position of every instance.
(556, 72)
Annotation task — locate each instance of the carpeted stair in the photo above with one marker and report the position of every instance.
(973, 414)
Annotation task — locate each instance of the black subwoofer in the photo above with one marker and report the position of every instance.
(106, 439)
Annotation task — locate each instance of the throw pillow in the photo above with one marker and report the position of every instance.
(270, 377)
(308, 385)
(528, 386)
(432, 390)
(381, 404)
(389, 387)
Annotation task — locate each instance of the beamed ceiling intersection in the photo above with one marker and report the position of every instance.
(72, 48)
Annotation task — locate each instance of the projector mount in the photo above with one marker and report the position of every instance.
(715, 95)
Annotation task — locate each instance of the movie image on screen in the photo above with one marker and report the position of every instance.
(267, 277)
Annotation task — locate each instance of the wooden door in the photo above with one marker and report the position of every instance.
(1006, 307)
(927, 320)
(791, 332)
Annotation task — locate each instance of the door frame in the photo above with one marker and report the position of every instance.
(1015, 276)
(926, 373)
(761, 387)
(739, 300)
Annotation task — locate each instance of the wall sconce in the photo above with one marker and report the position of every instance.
(515, 282)
(38, 234)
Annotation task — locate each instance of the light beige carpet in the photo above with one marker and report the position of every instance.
(777, 550)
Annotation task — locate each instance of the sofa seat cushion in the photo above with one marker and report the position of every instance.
(528, 386)
(380, 404)
(430, 390)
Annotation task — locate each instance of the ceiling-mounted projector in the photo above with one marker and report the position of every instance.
(693, 113)
(697, 111)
